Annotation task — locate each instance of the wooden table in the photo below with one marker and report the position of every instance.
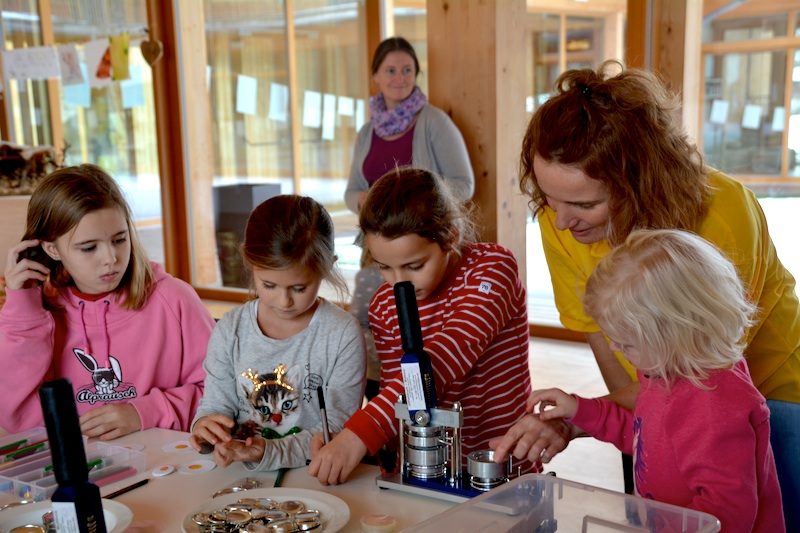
(163, 502)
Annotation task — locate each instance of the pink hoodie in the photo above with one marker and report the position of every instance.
(151, 358)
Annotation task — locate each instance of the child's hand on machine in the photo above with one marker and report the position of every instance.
(211, 430)
(332, 463)
(21, 271)
(110, 421)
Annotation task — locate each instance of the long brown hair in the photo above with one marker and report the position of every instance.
(620, 129)
(291, 230)
(409, 200)
(60, 202)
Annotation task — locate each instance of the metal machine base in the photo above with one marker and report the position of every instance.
(440, 488)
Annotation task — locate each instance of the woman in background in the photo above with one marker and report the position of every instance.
(404, 130)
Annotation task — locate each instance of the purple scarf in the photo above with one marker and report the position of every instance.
(387, 122)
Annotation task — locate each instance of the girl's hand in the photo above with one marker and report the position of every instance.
(534, 439)
(213, 429)
(110, 421)
(332, 463)
(251, 450)
(23, 273)
(553, 403)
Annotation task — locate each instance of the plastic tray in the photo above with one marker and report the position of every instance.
(31, 477)
(545, 504)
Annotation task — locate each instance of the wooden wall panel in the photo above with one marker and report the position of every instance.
(665, 36)
(184, 141)
(476, 65)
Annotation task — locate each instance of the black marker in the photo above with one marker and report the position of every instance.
(129, 488)
(326, 435)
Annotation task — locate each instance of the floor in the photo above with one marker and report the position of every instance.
(571, 366)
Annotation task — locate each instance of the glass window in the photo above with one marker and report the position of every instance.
(722, 26)
(250, 90)
(410, 22)
(584, 42)
(751, 124)
(248, 77)
(744, 112)
(100, 120)
(27, 106)
(794, 119)
(332, 87)
(542, 54)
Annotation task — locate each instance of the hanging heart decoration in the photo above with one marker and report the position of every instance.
(152, 50)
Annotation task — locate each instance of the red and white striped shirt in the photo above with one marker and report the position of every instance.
(475, 329)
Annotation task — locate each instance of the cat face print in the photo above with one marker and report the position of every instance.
(274, 398)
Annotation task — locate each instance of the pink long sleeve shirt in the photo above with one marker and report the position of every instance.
(151, 358)
(706, 450)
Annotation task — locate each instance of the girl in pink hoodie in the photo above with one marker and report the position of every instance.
(84, 303)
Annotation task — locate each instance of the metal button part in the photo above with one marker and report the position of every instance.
(281, 526)
(28, 528)
(484, 472)
(292, 506)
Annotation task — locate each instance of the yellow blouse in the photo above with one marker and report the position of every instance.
(736, 225)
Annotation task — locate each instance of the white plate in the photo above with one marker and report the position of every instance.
(334, 511)
(118, 516)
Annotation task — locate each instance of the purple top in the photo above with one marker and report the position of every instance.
(384, 155)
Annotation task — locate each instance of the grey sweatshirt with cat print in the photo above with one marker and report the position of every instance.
(261, 382)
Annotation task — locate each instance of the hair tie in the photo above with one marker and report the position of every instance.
(585, 90)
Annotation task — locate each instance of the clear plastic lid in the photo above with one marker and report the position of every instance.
(545, 504)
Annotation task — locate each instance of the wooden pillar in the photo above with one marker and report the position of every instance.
(476, 56)
(655, 38)
(184, 140)
(372, 21)
(665, 36)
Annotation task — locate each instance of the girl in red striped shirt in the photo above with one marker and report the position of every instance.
(473, 313)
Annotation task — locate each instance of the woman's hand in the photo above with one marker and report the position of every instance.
(534, 439)
(332, 463)
(211, 429)
(23, 273)
(251, 450)
(110, 421)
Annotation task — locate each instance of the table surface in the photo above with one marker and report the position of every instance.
(163, 503)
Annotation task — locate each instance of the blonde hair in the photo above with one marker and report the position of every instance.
(675, 297)
(60, 202)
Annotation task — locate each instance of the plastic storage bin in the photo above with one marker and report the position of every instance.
(536, 503)
(30, 477)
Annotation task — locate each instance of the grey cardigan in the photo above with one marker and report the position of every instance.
(437, 146)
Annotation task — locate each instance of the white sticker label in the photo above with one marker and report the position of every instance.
(485, 287)
(65, 517)
(412, 379)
